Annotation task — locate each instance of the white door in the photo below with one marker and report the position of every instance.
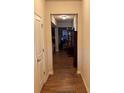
(39, 52)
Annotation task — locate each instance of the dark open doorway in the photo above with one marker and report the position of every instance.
(64, 40)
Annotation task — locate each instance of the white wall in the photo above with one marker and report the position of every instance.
(56, 7)
(85, 66)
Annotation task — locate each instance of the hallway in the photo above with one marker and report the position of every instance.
(65, 79)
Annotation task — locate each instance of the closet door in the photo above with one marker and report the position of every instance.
(39, 51)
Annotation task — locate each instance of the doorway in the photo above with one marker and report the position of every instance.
(64, 41)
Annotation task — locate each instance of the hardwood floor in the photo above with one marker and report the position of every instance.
(65, 79)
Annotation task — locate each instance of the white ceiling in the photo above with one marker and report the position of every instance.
(59, 17)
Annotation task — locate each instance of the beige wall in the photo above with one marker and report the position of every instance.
(63, 7)
(70, 7)
(85, 66)
(39, 7)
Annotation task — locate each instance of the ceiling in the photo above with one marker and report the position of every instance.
(60, 17)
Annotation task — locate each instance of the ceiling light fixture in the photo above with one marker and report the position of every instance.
(64, 17)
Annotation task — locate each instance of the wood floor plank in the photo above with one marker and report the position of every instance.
(65, 77)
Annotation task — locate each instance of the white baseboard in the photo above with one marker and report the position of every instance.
(47, 76)
(51, 73)
(78, 72)
(41, 83)
(85, 83)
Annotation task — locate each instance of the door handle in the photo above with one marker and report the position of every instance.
(38, 60)
(39, 57)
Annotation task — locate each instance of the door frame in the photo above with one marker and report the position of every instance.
(51, 14)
